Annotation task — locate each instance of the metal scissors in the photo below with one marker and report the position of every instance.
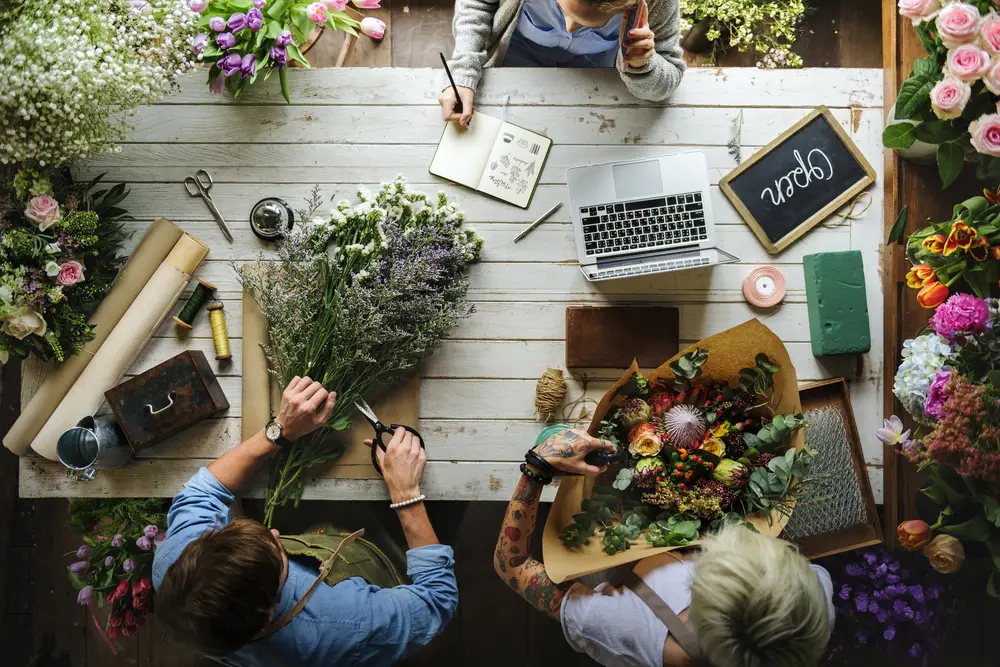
(198, 186)
(381, 430)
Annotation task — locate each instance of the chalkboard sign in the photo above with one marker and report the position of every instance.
(798, 180)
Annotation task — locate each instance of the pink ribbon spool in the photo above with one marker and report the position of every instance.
(764, 287)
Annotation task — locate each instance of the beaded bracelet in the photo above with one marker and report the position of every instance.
(407, 503)
(538, 479)
(536, 461)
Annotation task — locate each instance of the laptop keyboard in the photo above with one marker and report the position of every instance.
(651, 223)
(651, 267)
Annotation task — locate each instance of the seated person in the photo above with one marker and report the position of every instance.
(563, 33)
(751, 600)
(228, 589)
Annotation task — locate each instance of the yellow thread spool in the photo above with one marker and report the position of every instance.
(220, 336)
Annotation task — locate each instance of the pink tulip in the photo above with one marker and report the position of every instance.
(335, 5)
(366, 4)
(317, 13)
(373, 27)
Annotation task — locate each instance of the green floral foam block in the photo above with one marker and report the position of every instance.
(838, 307)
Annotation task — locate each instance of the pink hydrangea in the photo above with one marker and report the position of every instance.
(960, 314)
(937, 395)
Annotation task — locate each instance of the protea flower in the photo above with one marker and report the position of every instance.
(643, 441)
(646, 471)
(634, 412)
(732, 474)
(662, 401)
(683, 425)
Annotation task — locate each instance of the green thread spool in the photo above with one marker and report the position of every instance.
(202, 293)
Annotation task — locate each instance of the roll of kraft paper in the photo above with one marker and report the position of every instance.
(159, 240)
(256, 404)
(124, 343)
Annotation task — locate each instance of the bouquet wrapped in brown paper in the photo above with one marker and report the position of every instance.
(713, 435)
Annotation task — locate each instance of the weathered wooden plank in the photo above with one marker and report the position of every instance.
(840, 87)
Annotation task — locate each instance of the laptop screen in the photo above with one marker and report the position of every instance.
(637, 179)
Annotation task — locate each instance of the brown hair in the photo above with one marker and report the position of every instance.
(612, 6)
(223, 588)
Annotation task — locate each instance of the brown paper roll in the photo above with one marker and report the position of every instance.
(256, 404)
(159, 240)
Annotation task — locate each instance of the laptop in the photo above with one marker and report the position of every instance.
(645, 216)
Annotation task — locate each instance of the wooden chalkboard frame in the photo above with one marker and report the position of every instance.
(788, 239)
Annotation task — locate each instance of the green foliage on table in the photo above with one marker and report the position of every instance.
(688, 368)
(775, 433)
(777, 486)
(673, 531)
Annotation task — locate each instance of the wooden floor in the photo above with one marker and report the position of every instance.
(40, 623)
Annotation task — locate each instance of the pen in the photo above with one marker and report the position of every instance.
(542, 218)
(458, 99)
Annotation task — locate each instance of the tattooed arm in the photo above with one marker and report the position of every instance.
(512, 560)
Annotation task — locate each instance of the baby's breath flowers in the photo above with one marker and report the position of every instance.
(70, 71)
(768, 27)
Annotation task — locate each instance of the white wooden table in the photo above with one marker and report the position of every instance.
(357, 126)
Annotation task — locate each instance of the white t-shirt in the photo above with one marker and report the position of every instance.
(617, 629)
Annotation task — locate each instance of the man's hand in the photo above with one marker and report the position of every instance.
(448, 101)
(305, 406)
(640, 42)
(402, 464)
(565, 451)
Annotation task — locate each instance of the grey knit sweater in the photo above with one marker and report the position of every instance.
(483, 30)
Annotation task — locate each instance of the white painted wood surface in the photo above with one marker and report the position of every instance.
(478, 390)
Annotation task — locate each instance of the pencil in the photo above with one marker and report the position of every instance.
(458, 98)
(542, 218)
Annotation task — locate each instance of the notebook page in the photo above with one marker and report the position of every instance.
(462, 152)
(514, 165)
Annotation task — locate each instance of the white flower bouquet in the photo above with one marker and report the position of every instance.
(767, 27)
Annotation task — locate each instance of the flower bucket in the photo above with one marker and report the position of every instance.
(728, 352)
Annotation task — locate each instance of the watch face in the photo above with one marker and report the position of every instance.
(273, 431)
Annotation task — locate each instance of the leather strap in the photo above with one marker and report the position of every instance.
(678, 628)
(324, 569)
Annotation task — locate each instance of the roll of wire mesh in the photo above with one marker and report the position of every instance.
(220, 334)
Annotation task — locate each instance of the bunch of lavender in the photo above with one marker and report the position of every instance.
(356, 302)
(886, 607)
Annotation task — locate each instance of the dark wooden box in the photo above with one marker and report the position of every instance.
(167, 399)
(611, 336)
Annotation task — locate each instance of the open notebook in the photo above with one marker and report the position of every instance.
(493, 157)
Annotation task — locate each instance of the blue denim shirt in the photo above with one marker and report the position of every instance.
(352, 623)
(543, 22)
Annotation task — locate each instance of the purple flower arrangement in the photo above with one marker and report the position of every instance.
(960, 315)
(887, 603)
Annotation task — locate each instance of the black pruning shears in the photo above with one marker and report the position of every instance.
(381, 431)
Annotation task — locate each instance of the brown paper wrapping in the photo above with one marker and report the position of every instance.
(123, 345)
(728, 352)
(157, 243)
(256, 406)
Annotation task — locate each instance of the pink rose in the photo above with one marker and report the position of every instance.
(335, 5)
(968, 62)
(919, 10)
(989, 33)
(992, 78)
(70, 273)
(44, 211)
(958, 23)
(372, 27)
(317, 13)
(986, 134)
(949, 97)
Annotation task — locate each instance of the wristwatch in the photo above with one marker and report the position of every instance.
(273, 433)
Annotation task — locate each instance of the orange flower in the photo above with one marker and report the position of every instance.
(961, 236)
(920, 275)
(996, 252)
(914, 534)
(992, 197)
(934, 243)
(979, 249)
(932, 295)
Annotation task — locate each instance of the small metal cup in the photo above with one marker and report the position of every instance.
(93, 444)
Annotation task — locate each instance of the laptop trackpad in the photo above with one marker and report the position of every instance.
(637, 179)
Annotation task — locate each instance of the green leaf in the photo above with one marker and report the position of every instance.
(899, 136)
(976, 529)
(896, 233)
(914, 95)
(301, 26)
(283, 79)
(950, 161)
(778, 422)
(296, 55)
(926, 67)
(938, 131)
(341, 424)
(277, 9)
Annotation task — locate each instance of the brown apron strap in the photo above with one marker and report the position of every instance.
(324, 569)
(679, 630)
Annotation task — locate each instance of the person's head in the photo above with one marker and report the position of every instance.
(591, 13)
(755, 602)
(224, 587)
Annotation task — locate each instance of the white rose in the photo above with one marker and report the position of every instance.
(22, 323)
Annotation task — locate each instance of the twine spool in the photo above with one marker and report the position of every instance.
(220, 336)
(201, 294)
(550, 392)
(764, 287)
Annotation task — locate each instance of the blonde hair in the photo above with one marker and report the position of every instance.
(755, 602)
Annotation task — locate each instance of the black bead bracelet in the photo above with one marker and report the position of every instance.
(536, 461)
(538, 479)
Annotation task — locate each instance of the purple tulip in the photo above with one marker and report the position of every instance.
(279, 56)
(259, 4)
(117, 540)
(150, 531)
(128, 565)
(86, 595)
(284, 39)
(84, 552)
(218, 85)
(198, 44)
(144, 543)
(248, 67)
(198, 6)
(79, 567)
(160, 536)
(109, 561)
(255, 19)
(237, 21)
(228, 64)
(225, 40)
(217, 23)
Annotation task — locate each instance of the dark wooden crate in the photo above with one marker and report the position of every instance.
(611, 336)
(167, 399)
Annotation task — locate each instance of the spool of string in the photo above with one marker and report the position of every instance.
(201, 294)
(550, 392)
(220, 335)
